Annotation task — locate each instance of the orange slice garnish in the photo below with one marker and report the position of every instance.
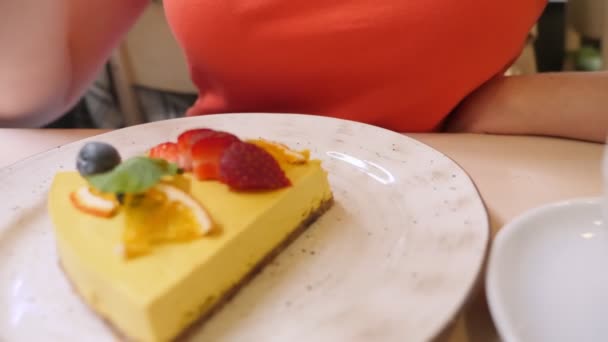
(164, 214)
(91, 202)
(281, 152)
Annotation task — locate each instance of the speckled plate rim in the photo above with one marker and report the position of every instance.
(474, 284)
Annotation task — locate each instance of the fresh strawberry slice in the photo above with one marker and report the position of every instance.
(166, 151)
(185, 141)
(245, 166)
(206, 153)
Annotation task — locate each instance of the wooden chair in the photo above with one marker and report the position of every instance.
(526, 62)
(149, 57)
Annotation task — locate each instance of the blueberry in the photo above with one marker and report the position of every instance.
(97, 157)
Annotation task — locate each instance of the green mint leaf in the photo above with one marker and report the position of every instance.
(168, 168)
(135, 175)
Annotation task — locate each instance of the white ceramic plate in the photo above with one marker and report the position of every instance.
(547, 276)
(393, 260)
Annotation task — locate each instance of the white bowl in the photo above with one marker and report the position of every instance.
(547, 276)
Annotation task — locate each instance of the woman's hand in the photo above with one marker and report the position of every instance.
(569, 105)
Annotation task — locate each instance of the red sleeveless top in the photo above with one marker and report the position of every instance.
(399, 64)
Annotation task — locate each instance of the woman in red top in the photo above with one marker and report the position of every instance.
(404, 65)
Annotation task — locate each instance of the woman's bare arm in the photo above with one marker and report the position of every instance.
(51, 50)
(566, 104)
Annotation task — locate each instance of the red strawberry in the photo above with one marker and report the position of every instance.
(245, 166)
(206, 153)
(185, 142)
(166, 151)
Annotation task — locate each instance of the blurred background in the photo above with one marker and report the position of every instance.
(133, 89)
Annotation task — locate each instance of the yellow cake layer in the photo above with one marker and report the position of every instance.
(154, 297)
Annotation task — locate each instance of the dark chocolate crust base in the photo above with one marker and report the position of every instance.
(197, 324)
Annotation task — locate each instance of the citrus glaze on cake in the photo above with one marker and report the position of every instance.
(155, 295)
